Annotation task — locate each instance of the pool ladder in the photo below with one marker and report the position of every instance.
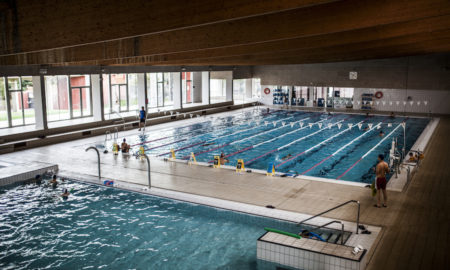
(335, 221)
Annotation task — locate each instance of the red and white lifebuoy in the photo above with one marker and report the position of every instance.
(379, 94)
(266, 91)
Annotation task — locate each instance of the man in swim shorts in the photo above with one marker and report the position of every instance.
(381, 170)
(142, 116)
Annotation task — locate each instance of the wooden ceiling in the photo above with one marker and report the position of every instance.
(219, 32)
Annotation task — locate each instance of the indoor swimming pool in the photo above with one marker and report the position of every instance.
(335, 146)
(101, 227)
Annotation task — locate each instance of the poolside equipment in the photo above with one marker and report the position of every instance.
(270, 169)
(172, 154)
(192, 159)
(115, 148)
(216, 163)
(379, 94)
(373, 188)
(240, 167)
(283, 232)
(108, 183)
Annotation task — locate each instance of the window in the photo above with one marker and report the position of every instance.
(218, 90)
(160, 89)
(57, 98)
(256, 88)
(80, 96)
(239, 91)
(119, 92)
(106, 94)
(20, 92)
(133, 92)
(187, 93)
(3, 106)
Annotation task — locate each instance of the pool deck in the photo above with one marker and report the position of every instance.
(415, 224)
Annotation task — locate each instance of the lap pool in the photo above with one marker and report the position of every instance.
(99, 227)
(335, 146)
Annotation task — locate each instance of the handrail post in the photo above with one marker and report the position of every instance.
(148, 170)
(342, 233)
(98, 160)
(357, 218)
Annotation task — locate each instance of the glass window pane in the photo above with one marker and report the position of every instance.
(16, 104)
(118, 78)
(123, 98)
(152, 92)
(76, 99)
(3, 109)
(218, 90)
(79, 80)
(86, 101)
(168, 90)
(28, 100)
(14, 83)
(57, 98)
(106, 94)
(133, 91)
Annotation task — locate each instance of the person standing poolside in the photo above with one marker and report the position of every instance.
(381, 170)
(142, 116)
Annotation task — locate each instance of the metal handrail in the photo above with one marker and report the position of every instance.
(331, 222)
(98, 160)
(116, 133)
(106, 136)
(148, 170)
(334, 208)
(121, 117)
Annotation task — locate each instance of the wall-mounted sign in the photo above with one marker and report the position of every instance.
(353, 75)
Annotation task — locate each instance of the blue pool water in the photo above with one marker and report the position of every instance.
(336, 151)
(99, 227)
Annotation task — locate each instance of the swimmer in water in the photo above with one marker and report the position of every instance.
(65, 193)
(208, 144)
(54, 182)
(223, 160)
(381, 134)
(38, 179)
(286, 157)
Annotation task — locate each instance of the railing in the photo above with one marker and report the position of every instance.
(334, 208)
(107, 133)
(148, 170)
(98, 160)
(331, 222)
(121, 117)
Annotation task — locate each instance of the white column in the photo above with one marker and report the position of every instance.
(205, 87)
(38, 109)
(176, 84)
(97, 109)
(141, 90)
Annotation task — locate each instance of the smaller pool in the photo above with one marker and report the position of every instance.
(99, 227)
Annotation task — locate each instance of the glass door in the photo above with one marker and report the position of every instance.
(160, 89)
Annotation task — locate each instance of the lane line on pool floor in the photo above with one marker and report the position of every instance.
(277, 149)
(317, 145)
(366, 154)
(342, 148)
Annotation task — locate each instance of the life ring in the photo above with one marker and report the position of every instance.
(266, 91)
(379, 94)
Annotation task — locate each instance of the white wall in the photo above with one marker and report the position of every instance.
(438, 101)
(205, 87)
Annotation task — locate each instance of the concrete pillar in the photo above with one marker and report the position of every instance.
(97, 108)
(141, 90)
(39, 103)
(248, 88)
(197, 82)
(175, 78)
(205, 88)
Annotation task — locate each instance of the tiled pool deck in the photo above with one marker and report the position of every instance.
(287, 194)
